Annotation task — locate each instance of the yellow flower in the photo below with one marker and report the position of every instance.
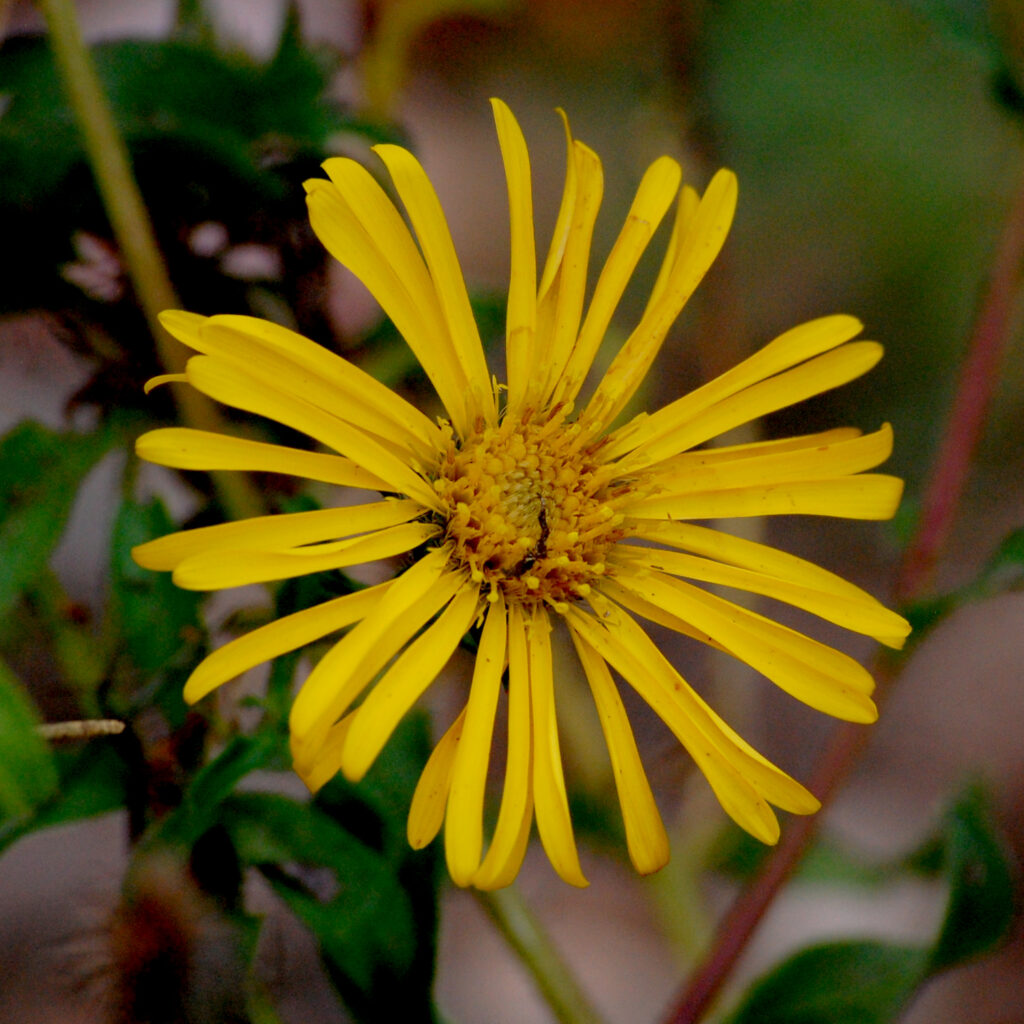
(530, 510)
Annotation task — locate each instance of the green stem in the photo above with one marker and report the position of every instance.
(111, 166)
(524, 934)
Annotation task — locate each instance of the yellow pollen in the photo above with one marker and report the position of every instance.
(525, 507)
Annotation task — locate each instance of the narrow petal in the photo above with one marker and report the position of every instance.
(865, 496)
(512, 832)
(862, 614)
(657, 189)
(216, 570)
(435, 239)
(686, 207)
(321, 377)
(795, 346)
(275, 532)
(280, 636)
(732, 784)
(413, 309)
(554, 823)
(426, 812)
(697, 249)
(521, 319)
(328, 760)
(691, 474)
(463, 833)
(814, 673)
(769, 561)
(403, 684)
(232, 386)
(343, 672)
(645, 832)
(187, 448)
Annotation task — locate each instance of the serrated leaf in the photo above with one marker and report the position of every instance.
(28, 775)
(40, 471)
(981, 899)
(839, 983)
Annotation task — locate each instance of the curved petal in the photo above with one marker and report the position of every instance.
(426, 812)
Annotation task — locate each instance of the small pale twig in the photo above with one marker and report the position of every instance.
(80, 730)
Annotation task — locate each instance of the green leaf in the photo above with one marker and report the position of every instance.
(40, 471)
(981, 899)
(28, 775)
(154, 619)
(840, 983)
(359, 912)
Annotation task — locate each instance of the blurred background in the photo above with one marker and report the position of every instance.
(878, 147)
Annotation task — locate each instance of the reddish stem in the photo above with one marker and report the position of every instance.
(951, 467)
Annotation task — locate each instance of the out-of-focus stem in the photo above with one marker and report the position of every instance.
(524, 934)
(111, 166)
(977, 382)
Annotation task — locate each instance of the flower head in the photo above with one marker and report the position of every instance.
(530, 510)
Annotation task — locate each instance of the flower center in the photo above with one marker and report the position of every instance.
(525, 511)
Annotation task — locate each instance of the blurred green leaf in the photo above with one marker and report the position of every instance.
(981, 899)
(154, 619)
(840, 983)
(359, 913)
(27, 771)
(40, 470)
(868, 982)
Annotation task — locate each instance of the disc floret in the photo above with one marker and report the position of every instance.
(527, 511)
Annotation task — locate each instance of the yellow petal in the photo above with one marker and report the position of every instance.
(554, 823)
(865, 496)
(426, 812)
(862, 614)
(403, 684)
(343, 672)
(328, 760)
(657, 189)
(789, 349)
(697, 249)
(274, 533)
(230, 385)
(690, 474)
(463, 833)
(218, 569)
(824, 678)
(435, 239)
(187, 448)
(275, 638)
(370, 254)
(645, 832)
(164, 378)
(521, 318)
(512, 832)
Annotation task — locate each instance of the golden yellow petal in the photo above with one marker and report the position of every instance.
(795, 346)
(645, 832)
(865, 496)
(232, 386)
(551, 803)
(512, 832)
(275, 638)
(403, 684)
(275, 532)
(463, 833)
(521, 318)
(328, 760)
(187, 448)
(435, 240)
(426, 812)
(657, 189)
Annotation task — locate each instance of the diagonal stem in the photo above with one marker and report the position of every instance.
(951, 466)
(111, 166)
